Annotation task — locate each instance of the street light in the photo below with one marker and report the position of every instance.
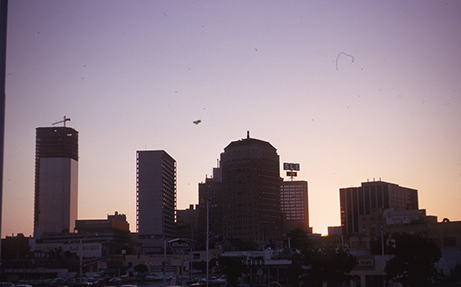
(382, 251)
(80, 249)
(207, 239)
(164, 256)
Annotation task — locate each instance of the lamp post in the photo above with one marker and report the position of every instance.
(382, 257)
(164, 256)
(382, 251)
(164, 260)
(80, 252)
(207, 240)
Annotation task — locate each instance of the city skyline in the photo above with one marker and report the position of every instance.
(351, 91)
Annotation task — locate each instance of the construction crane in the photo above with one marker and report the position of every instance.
(63, 121)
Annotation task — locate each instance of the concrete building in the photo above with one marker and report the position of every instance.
(113, 224)
(155, 194)
(358, 201)
(211, 190)
(187, 222)
(56, 180)
(251, 191)
(295, 205)
(392, 222)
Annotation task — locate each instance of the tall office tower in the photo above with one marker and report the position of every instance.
(211, 190)
(56, 180)
(295, 205)
(358, 201)
(155, 194)
(251, 191)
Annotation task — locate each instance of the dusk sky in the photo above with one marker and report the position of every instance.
(352, 90)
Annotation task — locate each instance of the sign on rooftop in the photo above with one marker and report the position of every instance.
(179, 243)
(290, 166)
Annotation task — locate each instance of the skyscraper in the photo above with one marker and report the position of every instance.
(56, 180)
(211, 190)
(251, 191)
(156, 194)
(357, 201)
(295, 204)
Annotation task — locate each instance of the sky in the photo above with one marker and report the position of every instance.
(351, 90)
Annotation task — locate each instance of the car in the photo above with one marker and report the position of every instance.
(200, 282)
(6, 284)
(221, 280)
(158, 277)
(149, 278)
(192, 281)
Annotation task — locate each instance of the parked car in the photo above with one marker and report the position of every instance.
(221, 281)
(149, 278)
(200, 282)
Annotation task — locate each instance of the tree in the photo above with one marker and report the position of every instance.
(141, 268)
(413, 264)
(329, 264)
(299, 239)
(232, 268)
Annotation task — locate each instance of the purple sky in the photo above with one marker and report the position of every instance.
(134, 75)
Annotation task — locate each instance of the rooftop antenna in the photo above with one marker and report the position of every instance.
(248, 134)
(63, 121)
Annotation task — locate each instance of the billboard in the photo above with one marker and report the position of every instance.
(290, 166)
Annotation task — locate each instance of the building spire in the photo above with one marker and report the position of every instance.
(248, 134)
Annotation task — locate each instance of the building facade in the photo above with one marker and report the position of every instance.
(295, 204)
(251, 192)
(113, 224)
(358, 201)
(155, 194)
(187, 222)
(56, 180)
(212, 191)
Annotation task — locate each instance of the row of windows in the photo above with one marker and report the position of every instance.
(241, 227)
(300, 209)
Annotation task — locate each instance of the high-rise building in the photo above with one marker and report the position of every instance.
(295, 205)
(251, 191)
(155, 194)
(211, 191)
(56, 180)
(358, 201)
(187, 222)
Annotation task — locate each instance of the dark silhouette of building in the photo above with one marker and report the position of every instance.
(358, 201)
(114, 223)
(251, 192)
(187, 222)
(56, 180)
(156, 194)
(295, 205)
(15, 247)
(211, 190)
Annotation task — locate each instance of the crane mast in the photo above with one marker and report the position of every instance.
(63, 121)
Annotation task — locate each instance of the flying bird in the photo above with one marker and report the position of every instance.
(197, 122)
